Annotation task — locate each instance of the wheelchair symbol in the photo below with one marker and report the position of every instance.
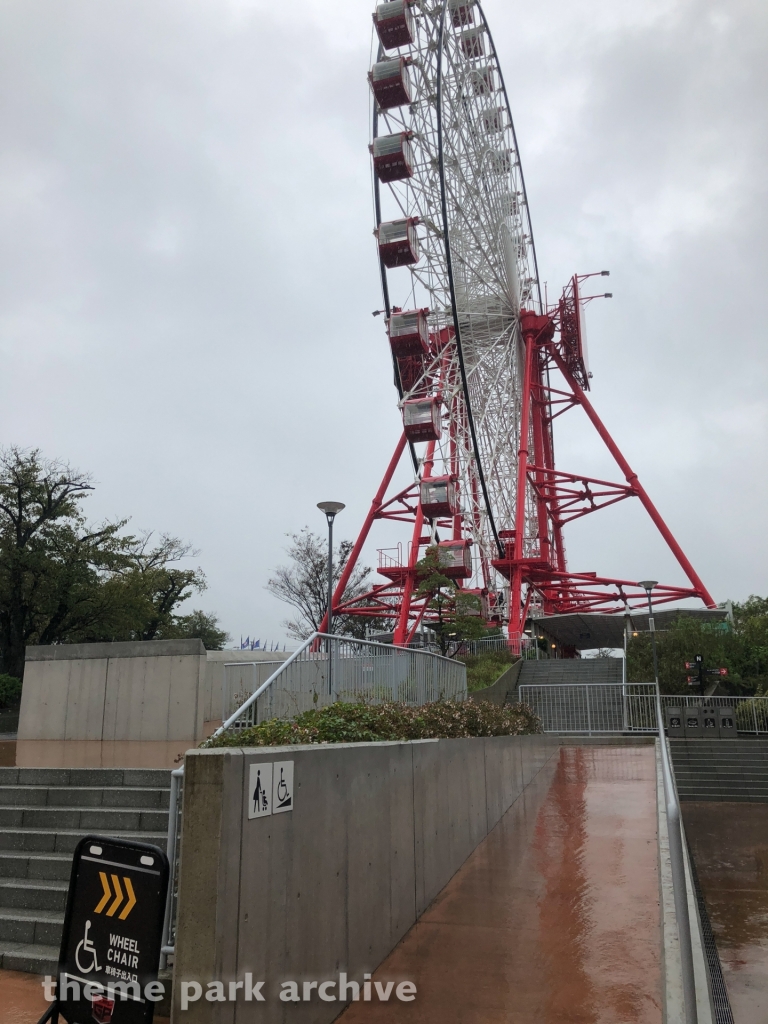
(86, 946)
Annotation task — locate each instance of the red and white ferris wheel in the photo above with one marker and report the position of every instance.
(482, 368)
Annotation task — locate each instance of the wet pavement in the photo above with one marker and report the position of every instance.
(92, 753)
(22, 1000)
(554, 919)
(729, 842)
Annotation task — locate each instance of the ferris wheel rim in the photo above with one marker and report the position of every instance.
(447, 245)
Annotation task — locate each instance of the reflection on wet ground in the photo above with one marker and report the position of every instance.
(92, 753)
(729, 842)
(22, 1000)
(554, 919)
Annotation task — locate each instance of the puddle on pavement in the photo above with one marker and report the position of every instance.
(729, 842)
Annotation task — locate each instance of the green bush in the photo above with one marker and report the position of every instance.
(484, 669)
(365, 723)
(10, 691)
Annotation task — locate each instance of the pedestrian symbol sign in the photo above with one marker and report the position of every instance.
(260, 790)
(270, 788)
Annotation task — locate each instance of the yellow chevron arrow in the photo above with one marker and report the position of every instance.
(118, 895)
(107, 893)
(131, 899)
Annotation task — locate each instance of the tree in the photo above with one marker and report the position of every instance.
(198, 625)
(741, 648)
(452, 607)
(65, 581)
(304, 585)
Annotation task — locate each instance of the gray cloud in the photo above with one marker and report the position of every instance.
(187, 269)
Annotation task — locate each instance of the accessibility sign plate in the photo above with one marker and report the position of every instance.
(113, 924)
(270, 788)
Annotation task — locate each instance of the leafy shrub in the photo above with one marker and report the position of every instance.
(484, 669)
(365, 723)
(10, 691)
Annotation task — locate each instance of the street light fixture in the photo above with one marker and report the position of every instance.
(648, 586)
(331, 510)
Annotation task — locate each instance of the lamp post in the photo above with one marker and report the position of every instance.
(648, 586)
(331, 510)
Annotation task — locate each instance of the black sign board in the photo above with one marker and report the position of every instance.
(113, 924)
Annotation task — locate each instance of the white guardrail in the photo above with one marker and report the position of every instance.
(329, 668)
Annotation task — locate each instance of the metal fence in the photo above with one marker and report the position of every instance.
(326, 669)
(594, 708)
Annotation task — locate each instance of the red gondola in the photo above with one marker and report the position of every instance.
(409, 333)
(492, 120)
(483, 81)
(398, 242)
(393, 157)
(472, 43)
(471, 603)
(461, 12)
(421, 419)
(439, 496)
(455, 558)
(394, 24)
(390, 82)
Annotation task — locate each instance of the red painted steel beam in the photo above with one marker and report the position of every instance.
(363, 535)
(632, 479)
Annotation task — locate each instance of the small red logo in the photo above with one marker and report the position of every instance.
(103, 1009)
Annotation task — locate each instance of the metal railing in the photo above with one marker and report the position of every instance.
(330, 668)
(595, 708)
(592, 708)
(677, 863)
(172, 850)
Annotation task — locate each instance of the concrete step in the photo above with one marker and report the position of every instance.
(83, 796)
(30, 958)
(151, 777)
(51, 866)
(31, 926)
(40, 840)
(40, 894)
(86, 819)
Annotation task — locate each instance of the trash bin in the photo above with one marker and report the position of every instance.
(727, 723)
(710, 723)
(692, 718)
(674, 722)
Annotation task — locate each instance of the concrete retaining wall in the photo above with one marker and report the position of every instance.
(376, 832)
(143, 690)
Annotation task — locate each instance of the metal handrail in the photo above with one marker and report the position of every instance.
(679, 883)
(166, 947)
(314, 640)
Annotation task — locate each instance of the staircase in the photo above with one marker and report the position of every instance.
(44, 812)
(550, 671)
(716, 769)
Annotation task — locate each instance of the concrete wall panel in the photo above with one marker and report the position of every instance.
(376, 831)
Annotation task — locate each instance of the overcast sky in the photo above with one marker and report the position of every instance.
(187, 270)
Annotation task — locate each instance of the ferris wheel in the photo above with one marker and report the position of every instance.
(457, 257)
(472, 346)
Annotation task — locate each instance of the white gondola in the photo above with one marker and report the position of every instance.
(472, 43)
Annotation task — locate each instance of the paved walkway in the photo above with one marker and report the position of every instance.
(555, 917)
(730, 847)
